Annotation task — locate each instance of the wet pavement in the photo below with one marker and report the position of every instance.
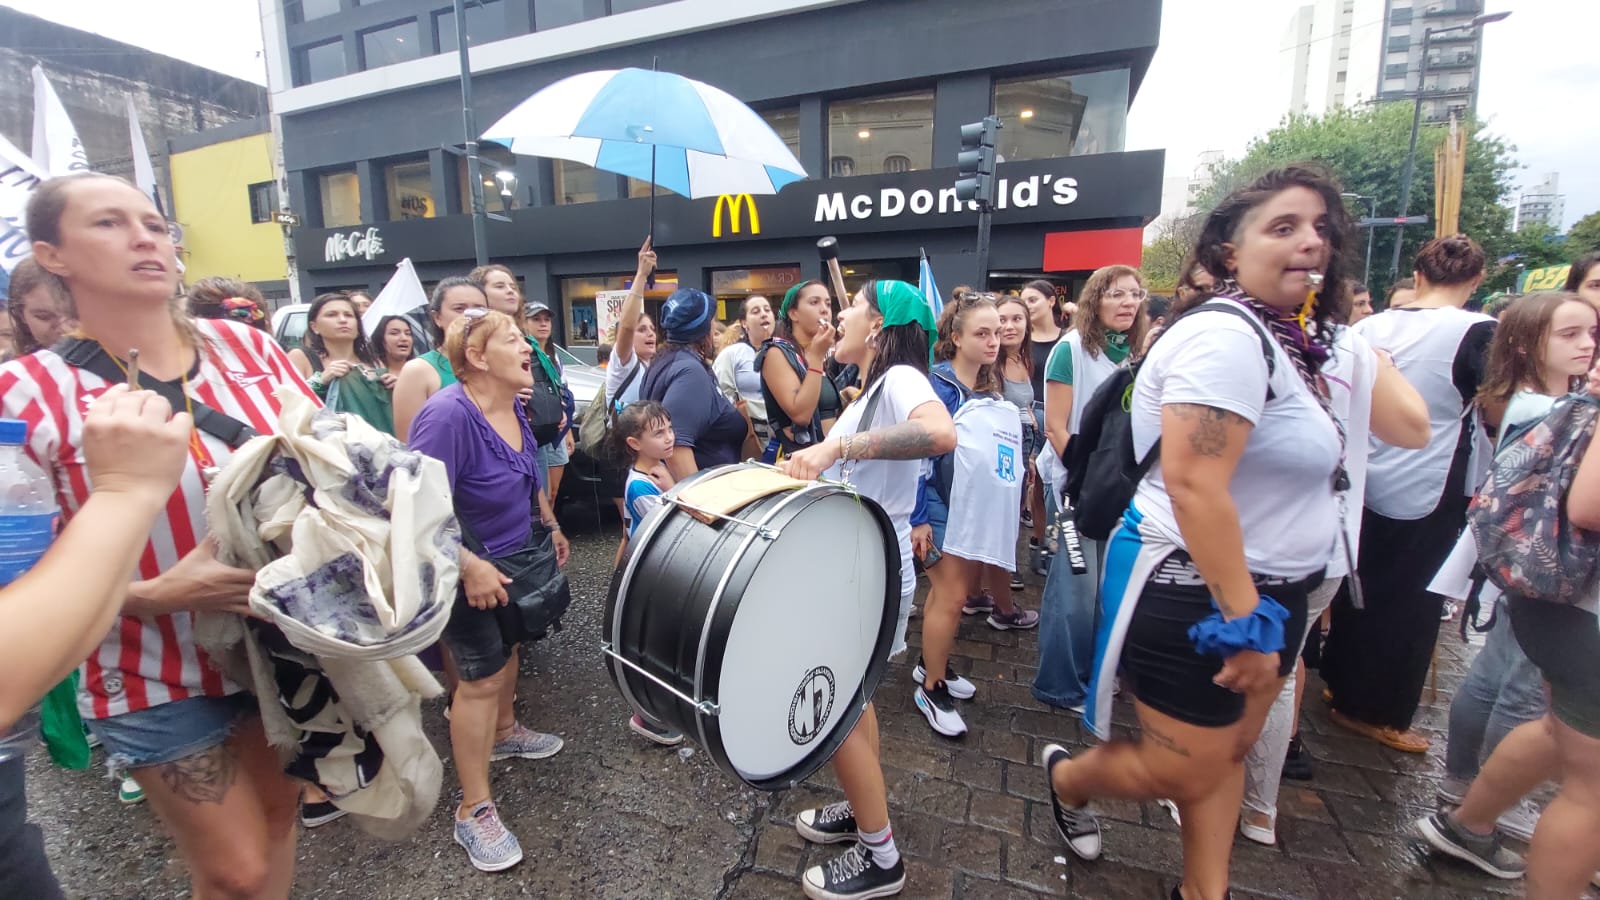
(612, 816)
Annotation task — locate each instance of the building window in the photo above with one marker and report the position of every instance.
(1401, 15)
(548, 14)
(841, 167)
(341, 198)
(485, 23)
(896, 163)
(1063, 115)
(319, 62)
(786, 124)
(638, 187)
(391, 44)
(261, 202)
(1399, 44)
(576, 182)
(875, 128)
(591, 304)
(306, 10)
(492, 159)
(408, 188)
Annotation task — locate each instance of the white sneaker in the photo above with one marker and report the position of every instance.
(940, 710)
(959, 687)
(1520, 820)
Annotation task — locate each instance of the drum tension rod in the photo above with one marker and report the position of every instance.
(761, 531)
(704, 707)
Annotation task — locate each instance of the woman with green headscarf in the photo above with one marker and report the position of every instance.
(878, 445)
(801, 402)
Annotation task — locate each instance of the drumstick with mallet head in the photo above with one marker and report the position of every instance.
(828, 249)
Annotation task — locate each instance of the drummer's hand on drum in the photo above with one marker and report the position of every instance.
(807, 464)
(485, 586)
(921, 540)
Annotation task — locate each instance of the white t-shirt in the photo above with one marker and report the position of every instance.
(1283, 486)
(1352, 373)
(737, 376)
(890, 482)
(617, 371)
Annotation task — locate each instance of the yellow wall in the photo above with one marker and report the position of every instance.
(211, 200)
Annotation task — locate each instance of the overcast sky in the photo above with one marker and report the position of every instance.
(1214, 84)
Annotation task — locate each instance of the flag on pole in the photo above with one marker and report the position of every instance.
(18, 177)
(400, 296)
(56, 147)
(144, 174)
(930, 290)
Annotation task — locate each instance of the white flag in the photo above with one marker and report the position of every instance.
(401, 295)
(18, 177)
(144, 174)
(56, 148)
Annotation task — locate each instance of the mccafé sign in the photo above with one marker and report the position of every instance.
(734, 205)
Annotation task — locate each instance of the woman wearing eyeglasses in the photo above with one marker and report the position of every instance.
(478, 428)
(1110, 322)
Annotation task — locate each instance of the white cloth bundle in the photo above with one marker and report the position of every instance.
(352, 536)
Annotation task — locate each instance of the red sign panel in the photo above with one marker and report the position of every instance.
(1077, 251)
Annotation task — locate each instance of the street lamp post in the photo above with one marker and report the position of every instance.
(480, 224)
(1372, 213)
(1416, 123)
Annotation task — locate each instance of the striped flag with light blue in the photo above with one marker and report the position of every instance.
(929, 288)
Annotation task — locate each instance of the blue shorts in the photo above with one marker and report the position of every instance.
(171, 731)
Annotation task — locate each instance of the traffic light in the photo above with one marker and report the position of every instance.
(976, 180)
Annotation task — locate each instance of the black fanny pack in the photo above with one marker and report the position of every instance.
(538, 594)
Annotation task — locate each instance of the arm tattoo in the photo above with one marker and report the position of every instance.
(907, 440)
(1163, 741)
(202, 778)
(1209, 427)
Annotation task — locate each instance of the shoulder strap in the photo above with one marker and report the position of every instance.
(90, 356)
(622, 388)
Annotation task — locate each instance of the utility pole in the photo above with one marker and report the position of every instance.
(1372, 213)
(480, 224)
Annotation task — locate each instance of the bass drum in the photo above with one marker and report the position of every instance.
(754, 613)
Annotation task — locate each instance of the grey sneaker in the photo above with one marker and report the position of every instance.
(1017, 618)
(525, 743)
(1484, 851)
(1520, 820)
(1452, 791)
(488, 844)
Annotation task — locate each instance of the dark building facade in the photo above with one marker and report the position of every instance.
(869, 94)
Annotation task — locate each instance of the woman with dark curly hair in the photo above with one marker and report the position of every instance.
(1207, 577)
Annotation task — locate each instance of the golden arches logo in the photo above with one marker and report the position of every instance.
(735, 205)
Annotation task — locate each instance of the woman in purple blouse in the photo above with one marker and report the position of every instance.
(478, 429)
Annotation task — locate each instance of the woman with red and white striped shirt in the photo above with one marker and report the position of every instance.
(190, 737)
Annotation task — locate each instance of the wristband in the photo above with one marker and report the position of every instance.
(818, 371)
(1261, 631)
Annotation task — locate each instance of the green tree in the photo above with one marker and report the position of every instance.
(1534, 247)
(1584, 236)
(1163, 257)
(1366, 150)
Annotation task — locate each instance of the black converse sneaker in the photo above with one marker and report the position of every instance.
(1078, 827)
(940, 710)
(827, 825)
(853, 876)
(959, 687)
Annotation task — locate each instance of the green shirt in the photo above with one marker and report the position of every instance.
(447, 375)
(1059, 368)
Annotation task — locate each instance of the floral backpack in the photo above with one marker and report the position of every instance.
(1526, 545)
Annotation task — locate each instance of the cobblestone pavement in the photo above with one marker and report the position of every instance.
(614, 817)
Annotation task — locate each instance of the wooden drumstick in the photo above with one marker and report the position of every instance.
(133, 370)
(828, 249)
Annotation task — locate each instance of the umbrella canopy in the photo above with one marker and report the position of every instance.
(683, 135)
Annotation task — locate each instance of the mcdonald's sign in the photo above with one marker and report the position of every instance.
(735, 205)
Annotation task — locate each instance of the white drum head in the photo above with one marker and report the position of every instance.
(803, 637)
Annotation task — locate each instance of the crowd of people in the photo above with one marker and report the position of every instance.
(1301, 468)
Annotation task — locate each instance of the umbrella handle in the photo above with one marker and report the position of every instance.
(650, 281)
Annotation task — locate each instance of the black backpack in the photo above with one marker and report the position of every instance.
(1102, 471)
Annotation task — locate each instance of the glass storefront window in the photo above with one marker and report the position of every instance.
(1063, 115)
(408, 187)
(341, 198)
(577, 183)
(786, 123)
(732, 286)
(640, 188)
(580, 299)
(492, 158)
(391, 44)
(864, 135)
(857, 274)
(485, 23)
(320, 62)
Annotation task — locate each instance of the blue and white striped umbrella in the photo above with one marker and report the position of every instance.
(698, 140)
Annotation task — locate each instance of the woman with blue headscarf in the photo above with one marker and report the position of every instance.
(708, 430)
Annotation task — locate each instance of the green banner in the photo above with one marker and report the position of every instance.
(1549, 278)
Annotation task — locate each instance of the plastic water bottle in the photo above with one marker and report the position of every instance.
(27, 524)
(27, 504)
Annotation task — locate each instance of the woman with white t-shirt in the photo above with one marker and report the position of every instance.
(736, 362)
(1110, 322)
(632, 350)
(888, 330)
(1377, 658)
(1229, 530)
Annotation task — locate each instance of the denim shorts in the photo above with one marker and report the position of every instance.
(475, 640)
(171, 731)
(554, 454)
(938, 517)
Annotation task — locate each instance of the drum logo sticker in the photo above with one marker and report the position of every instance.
(1006, 464)
(811, 706)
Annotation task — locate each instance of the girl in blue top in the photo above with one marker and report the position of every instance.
(644, 436)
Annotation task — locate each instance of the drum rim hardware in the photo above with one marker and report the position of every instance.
(705, 707)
